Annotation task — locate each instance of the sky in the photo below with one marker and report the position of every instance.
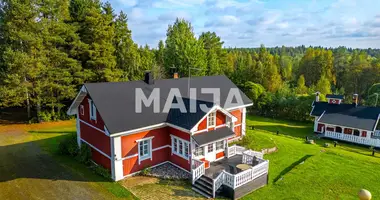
(250, 23)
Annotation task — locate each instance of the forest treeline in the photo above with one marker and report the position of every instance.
(48, 49)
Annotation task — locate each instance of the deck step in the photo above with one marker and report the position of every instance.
(206, 179)
(204, 183)
(201, 192)
(203, 189)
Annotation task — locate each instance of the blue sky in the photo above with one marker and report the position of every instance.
(249, 23)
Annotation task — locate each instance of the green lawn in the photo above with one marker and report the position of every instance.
(297, 171)
(49, 139)
(305, 171)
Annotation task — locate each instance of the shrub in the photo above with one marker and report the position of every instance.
(145, 171)
(84, 154)
(69, 146)
(101, 171)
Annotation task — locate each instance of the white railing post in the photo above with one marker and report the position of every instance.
(198, 169)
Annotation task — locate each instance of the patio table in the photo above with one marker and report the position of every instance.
(243, 166)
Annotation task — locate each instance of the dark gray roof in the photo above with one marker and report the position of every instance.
(115, 101)
(335, 96)
(361, 117)
(210, 136)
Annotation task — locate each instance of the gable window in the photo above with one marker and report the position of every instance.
(220, 145)
(180, 147)
(81, 109)
(145, 148)
(92, 109)
(211, 119)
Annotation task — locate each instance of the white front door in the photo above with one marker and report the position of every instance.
(210, 152)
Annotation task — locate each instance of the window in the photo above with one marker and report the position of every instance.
(145, 148)
(199, 151)
(220, 145)
(210, 147)
(356, 132)
(211, 120)
(180, 147)
(92, 110)
(81, 109)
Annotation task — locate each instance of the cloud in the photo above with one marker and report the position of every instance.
(128, 3)
(226, 20)
(136, 14)
(169, 4)
(172, 16)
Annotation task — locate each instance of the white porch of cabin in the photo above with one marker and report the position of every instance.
(349, 134)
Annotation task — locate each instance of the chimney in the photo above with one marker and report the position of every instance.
(355, 99)
(175, 76)
(317, 96)
(149, 78)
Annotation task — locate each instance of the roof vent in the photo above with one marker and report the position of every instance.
(149, 78)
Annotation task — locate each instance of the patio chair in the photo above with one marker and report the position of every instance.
(233, 169)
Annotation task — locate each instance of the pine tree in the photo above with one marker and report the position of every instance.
(127, 55)
(215, 54)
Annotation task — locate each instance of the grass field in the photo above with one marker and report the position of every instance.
(305, 171)
(297, 170)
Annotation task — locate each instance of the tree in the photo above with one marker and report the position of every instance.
(216, 55)
(301, 88)
(324, 85)
(97, 32)
(160, 54)
(183, 51)
(126, 51)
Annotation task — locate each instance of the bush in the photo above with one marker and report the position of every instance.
(101, 171)
(145, 171)
(84, 154)
(69, 146)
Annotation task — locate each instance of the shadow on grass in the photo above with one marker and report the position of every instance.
(289, 168)
(39, 159)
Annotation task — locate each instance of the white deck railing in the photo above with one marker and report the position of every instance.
(197, 169)
(235, 150)
(353, 138)
(236, 180)
(217, 182)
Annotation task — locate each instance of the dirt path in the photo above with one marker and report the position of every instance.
(26, 172)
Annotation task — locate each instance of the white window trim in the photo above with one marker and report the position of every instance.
(200, 156)
(184, 143)
(149, 150)
(92, 109)
(222, 149)
(208, 118)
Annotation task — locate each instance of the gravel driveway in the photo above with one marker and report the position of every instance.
(26, 172)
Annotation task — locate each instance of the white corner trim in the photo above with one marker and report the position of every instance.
(142, 139)
(162, 147)
(93, 126)
(321, 116)
(83, 90)
(237, 107)
(92, 146)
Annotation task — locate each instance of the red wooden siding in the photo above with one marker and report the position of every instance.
(220, 155)
(220, 118)
(203, 124)
(129, 146)
(237, 130)
(364, 133)
(100, 159)
(95, 138)
(319, 128)
(330, 129)
(334, 101)
(98, 123)
(237, 113)
(347, 131)
(161, 139)
(131, 165)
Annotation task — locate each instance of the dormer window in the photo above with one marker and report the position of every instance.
(211, 119)
(92, 109)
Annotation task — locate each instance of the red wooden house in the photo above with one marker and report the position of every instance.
(125, 142)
